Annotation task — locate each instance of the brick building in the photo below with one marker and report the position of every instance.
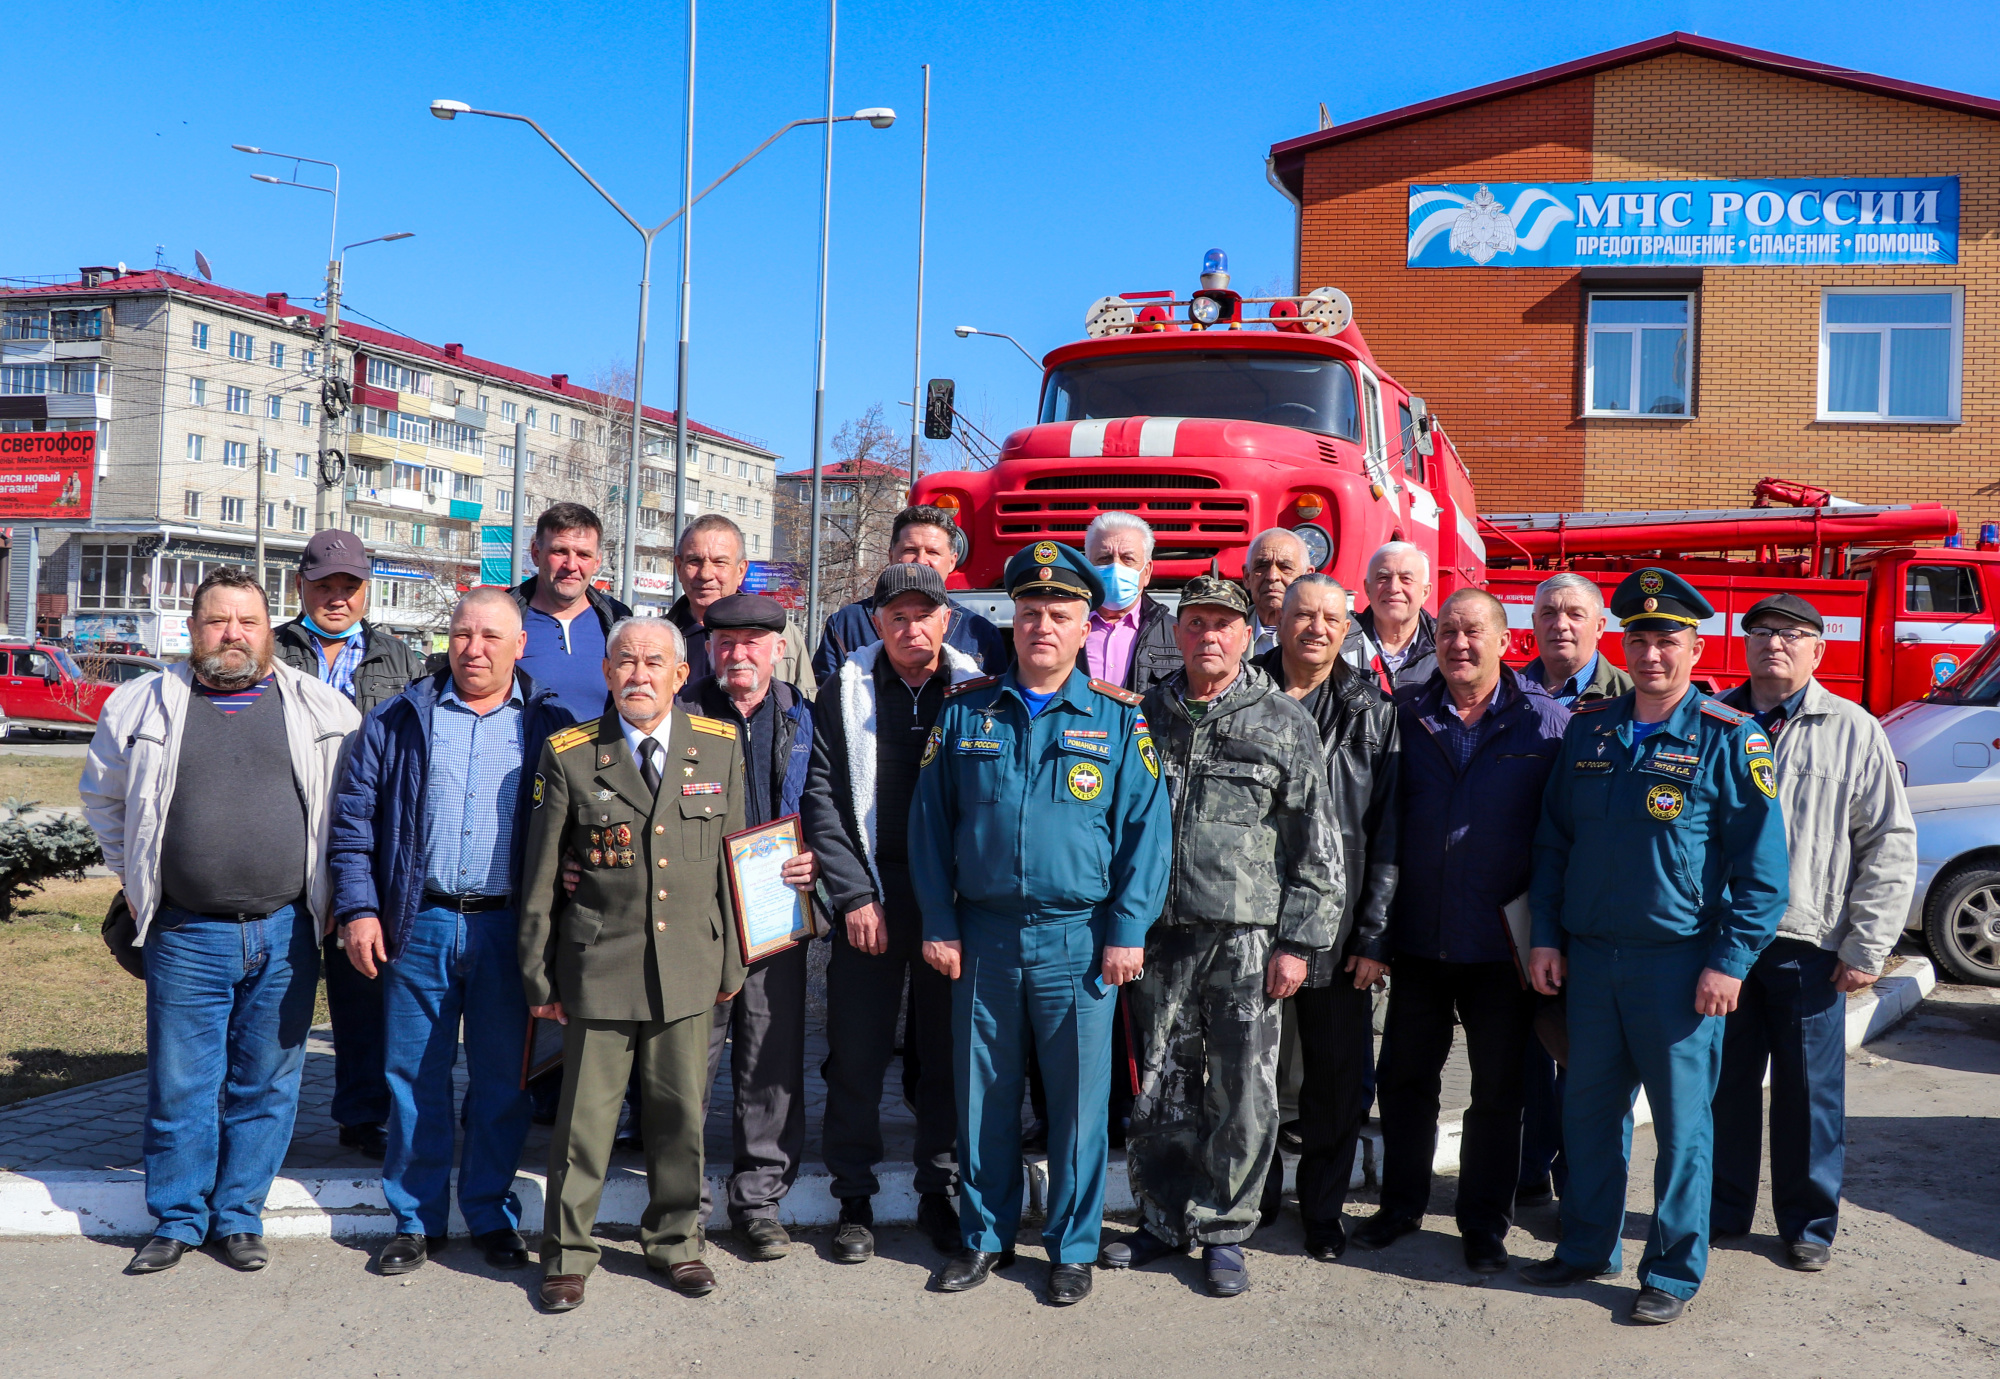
(1662, 374)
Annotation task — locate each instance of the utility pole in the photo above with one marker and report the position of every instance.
(518, 557)
(819, 356)
(333, 396)
(260, 516)
(923, 210)
(681, 353)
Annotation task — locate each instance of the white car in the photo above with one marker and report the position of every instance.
(1952, 734)
(1957, 904)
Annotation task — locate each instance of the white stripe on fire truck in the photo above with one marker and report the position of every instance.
(1156, 435)
(1521, 618)
(1969, 633)
(1086, 439)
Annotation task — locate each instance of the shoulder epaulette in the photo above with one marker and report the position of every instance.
(714, 727)
(980, 683)
(1123, 696)
(574, 736)
(1718, 710)
(1590, 706)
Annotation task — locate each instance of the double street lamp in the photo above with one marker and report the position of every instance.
(332, 455)
(877, 117)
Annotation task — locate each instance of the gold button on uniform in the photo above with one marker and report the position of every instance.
(662, 895)
(660, 924)
(659, 828)
(662, 861)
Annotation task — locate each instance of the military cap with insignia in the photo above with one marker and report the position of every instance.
(1213, 589)
(1050, 569)
(1655, 600)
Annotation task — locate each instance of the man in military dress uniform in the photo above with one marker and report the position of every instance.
(1039, 851)
(1660, 875)
(634, 962)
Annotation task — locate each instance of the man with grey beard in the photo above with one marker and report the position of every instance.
(210, 790)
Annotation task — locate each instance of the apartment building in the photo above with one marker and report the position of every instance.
(194, 387)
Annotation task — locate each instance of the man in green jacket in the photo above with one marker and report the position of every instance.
(1256, 890)
(634, 962)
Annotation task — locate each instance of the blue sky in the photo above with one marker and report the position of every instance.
(1076, 150)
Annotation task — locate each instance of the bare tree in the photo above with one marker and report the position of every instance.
(862, 491)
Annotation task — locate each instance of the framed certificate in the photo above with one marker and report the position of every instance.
(770, 916)
(544, 1052)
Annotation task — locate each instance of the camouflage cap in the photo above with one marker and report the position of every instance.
(1224, 593)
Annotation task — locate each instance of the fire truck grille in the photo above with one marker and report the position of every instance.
(1123, 481)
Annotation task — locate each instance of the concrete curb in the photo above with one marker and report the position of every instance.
(350, 1206)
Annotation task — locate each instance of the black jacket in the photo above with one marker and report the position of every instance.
(387, 666)
(1361, 648)
(1156, 656)
(1358, 729)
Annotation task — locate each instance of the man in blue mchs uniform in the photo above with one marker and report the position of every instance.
(1660, 874)
(1039, 849)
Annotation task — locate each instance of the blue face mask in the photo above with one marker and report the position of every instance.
(1121, 585)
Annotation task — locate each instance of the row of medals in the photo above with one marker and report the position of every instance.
(612, 847)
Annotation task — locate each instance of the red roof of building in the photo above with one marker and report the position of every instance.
(850, 470)
(1289, 155)
(451, 356)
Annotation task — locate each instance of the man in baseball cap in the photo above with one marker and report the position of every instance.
(332, 640)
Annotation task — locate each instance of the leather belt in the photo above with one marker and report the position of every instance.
(465, 904)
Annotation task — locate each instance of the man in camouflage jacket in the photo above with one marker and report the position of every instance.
(1256, 891)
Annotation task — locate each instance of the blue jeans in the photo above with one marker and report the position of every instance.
(227, 1009)
(455, 967)
(1790, 1016)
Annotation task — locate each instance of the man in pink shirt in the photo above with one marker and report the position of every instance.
(1130, 641)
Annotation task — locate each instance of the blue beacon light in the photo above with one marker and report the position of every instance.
(1214, 261)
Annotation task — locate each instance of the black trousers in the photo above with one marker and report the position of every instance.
(864, 996)
(1336, 1047)
(354, 1005)
(1487, 999)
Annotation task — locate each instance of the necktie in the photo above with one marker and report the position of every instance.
(649, 763)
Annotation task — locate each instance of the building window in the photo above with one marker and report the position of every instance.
(1890, 354)
(1639, 355)
(309, 361)
(384, 374)
(305, 414)
(743, 469)
(757, 507)
(238, 400)
(756, 544)
(299, 518)
(236, 454)
(274, 407)
(277, 354)
(359, 525)
(113, 577)
(484, 404)
(742, 506)
(270, 462)
(531, 418)
(242, 346)
(24, 378)
(506, 456)
(200, 335)
(270, 514)
(435, 479)
(195, 444)
(506, 411)
(417, 429)
(302, 466)
(555, 424)
(407, 476)
(190, 503)
(377, 422)
(503, 499)
(466, 488)
(418, 533)
(232, 511)
(198, 392)
(24, 325)
(389, 530)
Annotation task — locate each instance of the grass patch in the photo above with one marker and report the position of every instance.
(68, 1014)
(47, 780)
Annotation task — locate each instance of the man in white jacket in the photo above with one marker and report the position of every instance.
(1853, 870)
(209, 788)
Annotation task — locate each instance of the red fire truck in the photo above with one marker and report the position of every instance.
(1214, 421)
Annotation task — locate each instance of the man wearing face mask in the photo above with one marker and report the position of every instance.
(1130, 642)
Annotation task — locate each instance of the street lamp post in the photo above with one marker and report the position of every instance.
(446, 110)
(963, 332)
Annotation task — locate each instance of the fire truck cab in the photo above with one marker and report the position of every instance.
(1214, 426)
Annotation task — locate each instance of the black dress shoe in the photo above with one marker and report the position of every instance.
(245, 1252)
(1273, 1201)
(1806, 1256)
(1657, 1307)
(404, 1254)
(969, 1268)
(157, 1255)
(1384, 1229)
(1535, 1192)
(1136, 1251)
(1326, 1243)
(938, 1219)
(1068, 1283)
(1485, 1255)
(1555, 1272)
(853, 1241)
(366, 1138)
(765, 1237)
(504, 1248)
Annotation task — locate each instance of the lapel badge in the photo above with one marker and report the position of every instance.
(625, 837)
(687, 770)
(596, 857)
(604, 758)
(604, 794)
(693, 753)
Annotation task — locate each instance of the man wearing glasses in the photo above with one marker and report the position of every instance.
(1853, 870)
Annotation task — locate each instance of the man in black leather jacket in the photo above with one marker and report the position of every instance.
(1331, 1012)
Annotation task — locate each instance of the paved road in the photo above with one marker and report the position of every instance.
(1914, 1289)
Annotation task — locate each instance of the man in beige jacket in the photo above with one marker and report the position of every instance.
(210, 787)
(1853, 870)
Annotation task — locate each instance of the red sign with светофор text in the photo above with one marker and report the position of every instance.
(46, 475)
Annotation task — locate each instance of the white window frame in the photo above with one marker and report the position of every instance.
(1688, 295)
(1957, 366)
(230, 504)
(198, 334)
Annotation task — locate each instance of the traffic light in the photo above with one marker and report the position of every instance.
(938, 410)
